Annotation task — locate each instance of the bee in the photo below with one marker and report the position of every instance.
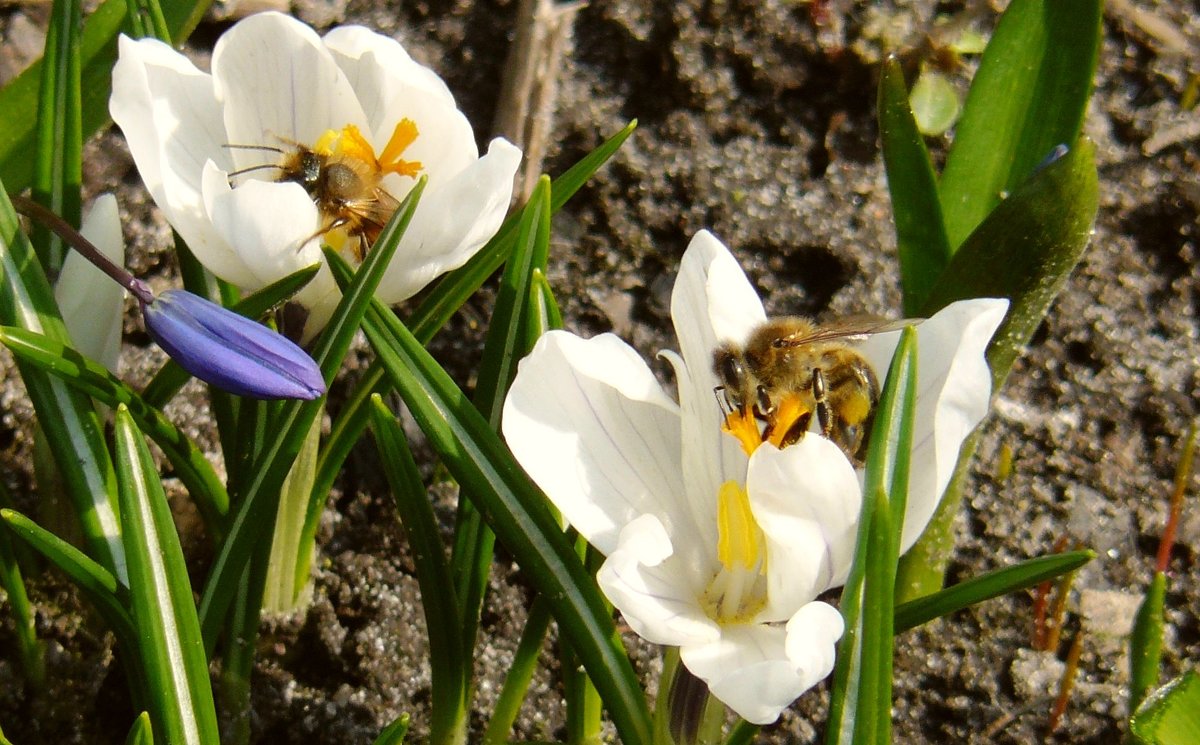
(791, 368)
(346, 186)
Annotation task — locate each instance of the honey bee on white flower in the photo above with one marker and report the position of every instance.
(294, 141)
(719, 537)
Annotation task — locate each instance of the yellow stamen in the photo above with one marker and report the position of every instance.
(390, 160)
(787, 411)
(742, 425)
(739, 539)
(352, 144)
(326, 142)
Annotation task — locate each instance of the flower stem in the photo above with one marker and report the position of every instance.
(75, 239)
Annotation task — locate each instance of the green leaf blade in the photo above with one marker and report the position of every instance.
(515, 510)
(921, 239)
(986, 586)
(1029, 94)
(169, 640)
(1025, 250)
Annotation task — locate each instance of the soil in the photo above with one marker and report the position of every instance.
(756, 121)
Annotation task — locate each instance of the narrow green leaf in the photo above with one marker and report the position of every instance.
(69, 421)
(1170, 715)
(1029, 94)
(394, 733)
(471, 559)
(920, 237)
(98, 585)
(98, 52)
(447, 656)
(29, 648)
(141, 733)
(986, 586)
(519, 675)
(255, 515)
(146, 20)
(860, 707)
(513, 507)
(1025, 250)
(58, 169)
(178, 690)
(446, 297)
(163, 387)
(1145, 643)
(452, 291)
(93, 379)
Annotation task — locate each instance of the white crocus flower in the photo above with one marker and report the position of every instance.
(91, 303)
(221, 154)
(709, 549)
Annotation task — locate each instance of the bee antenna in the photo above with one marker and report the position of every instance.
(270, 148)
(251, 169)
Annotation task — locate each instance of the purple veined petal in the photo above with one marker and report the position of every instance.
(232, 352)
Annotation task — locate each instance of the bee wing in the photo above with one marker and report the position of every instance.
(374, 210)
(847, 327)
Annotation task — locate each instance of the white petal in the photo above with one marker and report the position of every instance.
(271, 225)
(591, 426)
(712, 302)
(453, 221)
(391, 86)
(278, 82)
(749, 669)
(172, 122)
(656, 592)
(812, 635)
(92, 304)
(806, 498)
(953, 391)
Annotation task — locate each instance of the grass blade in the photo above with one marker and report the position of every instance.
(178, 688)
(514, 508)
(97, 584)
(445, 298)
(1146, 641)
(98, 52)
(447, 655)
(860, 708)
(471, 559)
(141, 733)
(255, 515)
(29, 648)
(986, 586)
(67, 418)
(58, 169)
(921, 240)
(93, 379)
(1029, 94)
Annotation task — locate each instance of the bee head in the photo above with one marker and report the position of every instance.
(731, 373)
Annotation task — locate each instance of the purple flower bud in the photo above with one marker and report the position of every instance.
(229, 351)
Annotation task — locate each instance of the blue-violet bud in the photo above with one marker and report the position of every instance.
(232, 352)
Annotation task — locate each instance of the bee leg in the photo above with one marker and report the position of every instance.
(821, 398)
(723, 402)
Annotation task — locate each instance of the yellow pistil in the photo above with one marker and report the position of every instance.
(739, 590)
(743, 426)
(739, 539)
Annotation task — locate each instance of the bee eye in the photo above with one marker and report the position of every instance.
(730, 370)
